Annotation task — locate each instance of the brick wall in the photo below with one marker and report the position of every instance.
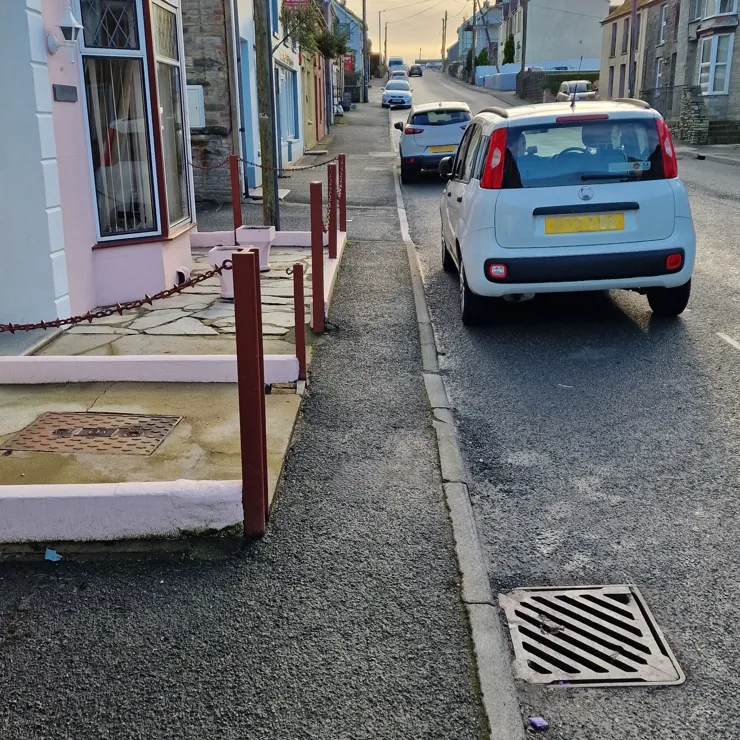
(207, 64)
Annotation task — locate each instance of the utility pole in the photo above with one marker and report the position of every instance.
(380, 35)
(633, 39)
(385, 43)
(444, 40)
(364, 53)
(525, 6)
(419, 54)
(266, 113)
(473, 46)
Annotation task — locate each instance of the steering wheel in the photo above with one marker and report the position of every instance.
(578, 149)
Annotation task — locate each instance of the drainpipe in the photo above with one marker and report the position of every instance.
(236, 40)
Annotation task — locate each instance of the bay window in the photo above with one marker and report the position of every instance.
(131, 67)
(719, 7)
(169, 87)
(715, 55)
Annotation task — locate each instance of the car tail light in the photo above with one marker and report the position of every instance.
(673, 261)
(496, 272)
(493, 172)
(412, 130)
(668, 153)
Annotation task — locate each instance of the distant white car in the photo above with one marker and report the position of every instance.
(397, 93)
(559, 198)
(582, 89)
(432, 132)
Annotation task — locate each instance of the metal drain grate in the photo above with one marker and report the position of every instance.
(93, 433)
(591, 636)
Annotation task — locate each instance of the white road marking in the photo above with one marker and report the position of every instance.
(732, 342)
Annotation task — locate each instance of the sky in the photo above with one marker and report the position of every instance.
(413, 24)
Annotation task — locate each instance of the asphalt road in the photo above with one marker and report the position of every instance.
(602, 446)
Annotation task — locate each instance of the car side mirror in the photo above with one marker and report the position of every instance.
(445, 168)
(398, 125)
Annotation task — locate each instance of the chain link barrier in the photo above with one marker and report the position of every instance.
(225, 163)
(119, 308)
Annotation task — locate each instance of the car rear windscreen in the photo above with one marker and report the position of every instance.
(398, 85)
(620, 150)
(579, 86)
(440, 117)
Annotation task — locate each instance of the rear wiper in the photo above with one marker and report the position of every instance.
(602, 176)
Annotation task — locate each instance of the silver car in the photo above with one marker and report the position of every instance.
(583, 90)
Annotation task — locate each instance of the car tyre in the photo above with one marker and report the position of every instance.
(669, 302)
(471, 305)
(407, 175)
(448, 264)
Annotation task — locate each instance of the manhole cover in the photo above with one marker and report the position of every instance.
(592, 636)
(93, 433)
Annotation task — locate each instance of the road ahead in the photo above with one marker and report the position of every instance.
(602, 446)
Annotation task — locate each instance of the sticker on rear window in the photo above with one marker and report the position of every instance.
(629, 166)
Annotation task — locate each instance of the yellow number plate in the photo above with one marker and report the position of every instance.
(578, 224)
(439, 149)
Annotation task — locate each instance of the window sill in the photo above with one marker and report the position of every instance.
(134, 242)
(714, 94)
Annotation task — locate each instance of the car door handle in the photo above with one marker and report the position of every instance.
(459, 198)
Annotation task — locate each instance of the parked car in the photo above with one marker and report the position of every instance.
(415, 70)
(397, 93)
(433, 131)
(558, 198)
(399, 72)
(582, 89)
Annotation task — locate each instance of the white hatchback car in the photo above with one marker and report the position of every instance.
(432, 132)
(397, 93)
(559, 198)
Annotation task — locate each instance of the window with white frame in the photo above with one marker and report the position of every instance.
(719, 7)
(662, 24)
(169, 86)
(119, 121)
(715, 56)
(658, 71)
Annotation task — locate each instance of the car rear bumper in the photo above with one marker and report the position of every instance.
(629, 266)
(426, 161)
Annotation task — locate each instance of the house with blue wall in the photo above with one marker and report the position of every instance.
(350, 25)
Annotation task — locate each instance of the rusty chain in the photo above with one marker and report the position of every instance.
(225, 162)
(119, 308)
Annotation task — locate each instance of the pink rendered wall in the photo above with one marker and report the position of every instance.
(70, 132)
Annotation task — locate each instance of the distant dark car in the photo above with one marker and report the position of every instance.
(415, 70)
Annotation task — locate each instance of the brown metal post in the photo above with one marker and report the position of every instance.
(261, 365)
(317, 259)
(332, 196)
(299, 303)
(251, 390)
(342, 193)
(236, 191)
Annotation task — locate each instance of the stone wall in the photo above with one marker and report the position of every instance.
(654, 49)
(693, 126)
(529, 86)
(205, 30)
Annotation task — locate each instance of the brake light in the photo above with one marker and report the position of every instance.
(412, 130)
(667, 152)
(585, 117)
(493, 172)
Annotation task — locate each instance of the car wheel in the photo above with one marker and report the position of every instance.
(407, 175)
(448, 264)
(471, 305)
(669, 302)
